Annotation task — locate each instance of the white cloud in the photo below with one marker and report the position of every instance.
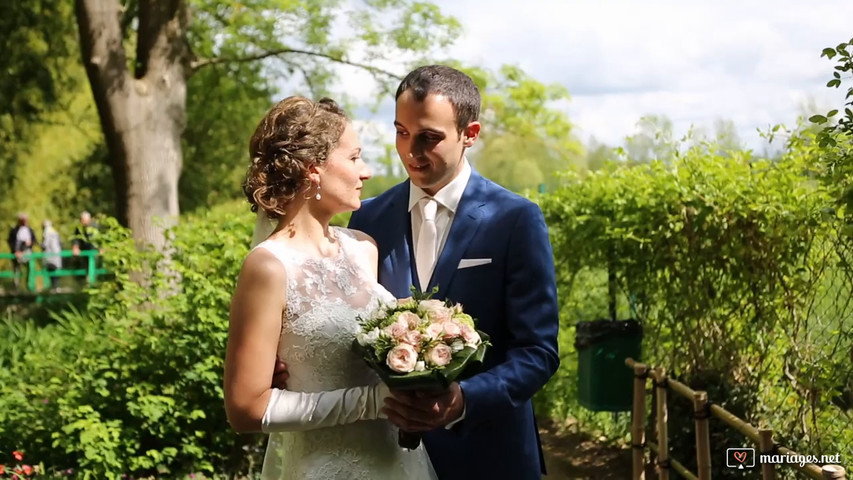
(755, 63)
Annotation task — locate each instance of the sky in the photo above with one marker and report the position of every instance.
(755, 63)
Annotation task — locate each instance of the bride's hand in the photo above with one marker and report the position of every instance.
(280, 374)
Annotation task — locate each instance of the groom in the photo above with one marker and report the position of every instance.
(484, 247)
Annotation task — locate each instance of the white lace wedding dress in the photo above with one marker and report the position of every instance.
(324, 296)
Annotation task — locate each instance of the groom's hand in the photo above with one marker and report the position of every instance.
(280, 374)
(424, 411)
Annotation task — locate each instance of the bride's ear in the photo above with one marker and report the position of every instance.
(314, 175)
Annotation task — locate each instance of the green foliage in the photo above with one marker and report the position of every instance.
(527, 137)
(833, 144)
(224, 104)
(131, 383)
(733, 264)
(38, 38)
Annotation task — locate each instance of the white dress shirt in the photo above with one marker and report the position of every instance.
(448, 199)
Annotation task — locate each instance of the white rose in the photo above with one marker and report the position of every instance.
(379, 314)
(457, 345)
(368, 338)
(439, 355)
(420, 366)
(402, 358)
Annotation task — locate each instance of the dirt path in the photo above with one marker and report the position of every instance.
(577, 456)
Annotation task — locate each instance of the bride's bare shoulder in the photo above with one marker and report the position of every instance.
(262, 264)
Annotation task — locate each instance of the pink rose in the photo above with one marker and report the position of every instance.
(402, 358)
(451, 330)
(434, 330)
(412, 320)
(471, 337)
(439, 355)
(397, 330)
(413, 338)
(436, 310)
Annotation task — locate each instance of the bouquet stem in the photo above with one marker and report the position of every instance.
(408, 440)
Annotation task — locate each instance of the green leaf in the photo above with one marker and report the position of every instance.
(817, 119)
(828, 53)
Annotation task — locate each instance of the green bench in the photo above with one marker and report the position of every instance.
(36, 268)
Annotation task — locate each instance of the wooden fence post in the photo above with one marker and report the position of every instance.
(765, 445)
(638, 434)
(703, 443)
(663, 439)
(833, 472)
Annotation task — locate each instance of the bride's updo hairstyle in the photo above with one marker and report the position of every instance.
(295, 135)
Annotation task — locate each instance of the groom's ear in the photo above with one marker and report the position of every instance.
(471, 134)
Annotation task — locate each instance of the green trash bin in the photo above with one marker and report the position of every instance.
(605, 383)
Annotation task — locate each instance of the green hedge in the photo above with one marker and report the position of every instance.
(737, 270)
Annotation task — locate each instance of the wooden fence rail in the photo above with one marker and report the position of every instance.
(763, 438)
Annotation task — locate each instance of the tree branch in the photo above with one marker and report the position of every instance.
(161, 36)
(204, 62)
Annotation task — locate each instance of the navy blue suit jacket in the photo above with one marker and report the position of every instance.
(514, 300)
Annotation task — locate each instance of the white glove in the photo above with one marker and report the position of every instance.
(294, 411)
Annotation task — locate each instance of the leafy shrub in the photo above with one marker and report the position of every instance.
(131, 382)
(732, 263)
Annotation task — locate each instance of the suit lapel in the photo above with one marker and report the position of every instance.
(396, 233)
(462, 230)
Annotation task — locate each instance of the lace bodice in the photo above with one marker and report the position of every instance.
(323, 298)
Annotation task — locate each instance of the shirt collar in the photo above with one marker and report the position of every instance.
(449, 196)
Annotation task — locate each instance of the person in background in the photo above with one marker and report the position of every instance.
(21, 239)
(83, 240)
(83, 234)
(51, 245)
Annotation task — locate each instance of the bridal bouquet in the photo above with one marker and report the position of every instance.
(421, 344)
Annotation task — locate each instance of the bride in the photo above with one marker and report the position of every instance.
(298, 295)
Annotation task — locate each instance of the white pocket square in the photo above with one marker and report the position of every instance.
(473, 262)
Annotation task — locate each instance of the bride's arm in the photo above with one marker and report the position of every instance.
(253, 334)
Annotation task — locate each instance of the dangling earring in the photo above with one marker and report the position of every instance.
(318, 196)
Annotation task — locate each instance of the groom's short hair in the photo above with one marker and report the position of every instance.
(458, 87)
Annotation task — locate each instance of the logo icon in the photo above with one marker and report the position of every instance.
(740, 458)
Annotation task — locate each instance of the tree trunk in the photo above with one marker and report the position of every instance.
(151, 154)
(142, 115)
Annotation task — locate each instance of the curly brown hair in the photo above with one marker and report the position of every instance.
(293, 136)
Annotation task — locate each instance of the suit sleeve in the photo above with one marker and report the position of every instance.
(355, 221)
(532, 323)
